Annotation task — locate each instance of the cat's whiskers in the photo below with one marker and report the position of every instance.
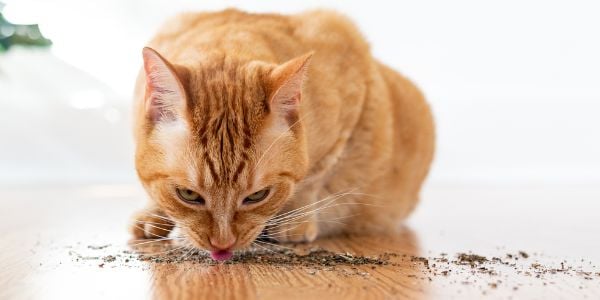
(297, 224)
(304, 214)
(151, 225)
(298, 210)
(156, 240)
(281, 216)
(148, 232)
(294, 217)
(171, 223)
(274, 245)
(299, 213)
(334, 220)
(161, 217)
(337, 195)
(275, 234)
(255, 243)
(188, 253)
(154, 223)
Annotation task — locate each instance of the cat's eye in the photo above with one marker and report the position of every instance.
(189, 196)
(257, 197)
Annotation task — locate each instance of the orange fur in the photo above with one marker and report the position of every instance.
(237, 102)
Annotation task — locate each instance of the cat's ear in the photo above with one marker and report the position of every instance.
(286, 81)
(165, 95)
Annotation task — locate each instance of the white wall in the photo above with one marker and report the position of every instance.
(515, 85)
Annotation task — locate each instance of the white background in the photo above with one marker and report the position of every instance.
(515, 85)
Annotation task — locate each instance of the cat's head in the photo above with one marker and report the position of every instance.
(220, 144)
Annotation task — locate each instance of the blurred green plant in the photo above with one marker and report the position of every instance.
(20, 34)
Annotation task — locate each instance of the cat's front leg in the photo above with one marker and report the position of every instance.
(151, 223)
(298, 222)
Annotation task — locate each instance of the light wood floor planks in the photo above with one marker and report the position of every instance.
(56, 242)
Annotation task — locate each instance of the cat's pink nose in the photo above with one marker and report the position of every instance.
(222, 245)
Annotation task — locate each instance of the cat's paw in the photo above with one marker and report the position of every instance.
(150, 224)
(304, 232)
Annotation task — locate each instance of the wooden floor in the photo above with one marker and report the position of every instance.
(527, 242)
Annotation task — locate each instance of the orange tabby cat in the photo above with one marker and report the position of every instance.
(280, 125)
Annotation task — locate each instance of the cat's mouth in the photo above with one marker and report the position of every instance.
(226, 254)
(221, 255)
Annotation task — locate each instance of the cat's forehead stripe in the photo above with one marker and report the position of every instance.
(211, 167)
(227, 104)
(239, 170)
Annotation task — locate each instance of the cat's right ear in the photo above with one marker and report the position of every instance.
(165, 96)
(286, 82)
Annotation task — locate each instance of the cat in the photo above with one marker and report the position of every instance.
(276, 126)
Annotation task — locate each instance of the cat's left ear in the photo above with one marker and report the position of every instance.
(286, 81)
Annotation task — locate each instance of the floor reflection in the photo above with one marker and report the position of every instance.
(327, 277)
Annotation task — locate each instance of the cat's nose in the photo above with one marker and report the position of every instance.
(222, 244)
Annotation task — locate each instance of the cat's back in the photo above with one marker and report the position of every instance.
(285, 36)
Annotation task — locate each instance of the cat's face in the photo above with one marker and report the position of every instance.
(221, 145)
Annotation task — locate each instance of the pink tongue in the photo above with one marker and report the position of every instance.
(221, 255)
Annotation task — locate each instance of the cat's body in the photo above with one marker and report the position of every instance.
(334, 123)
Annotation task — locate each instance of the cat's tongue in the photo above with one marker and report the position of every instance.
(221, 255)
